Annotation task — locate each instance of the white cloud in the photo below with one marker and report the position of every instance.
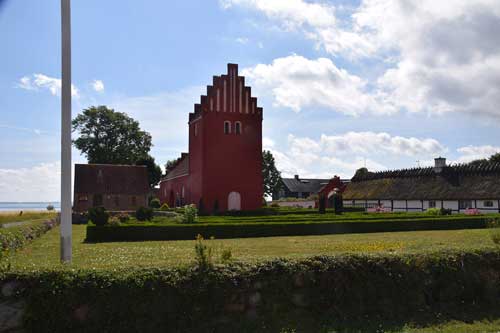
(297, 82)
(267, 143)
(439, 56)
(98, 85)
(242, 40)
(42, 81)
(38, 183)
(343, 154)
(470, 153)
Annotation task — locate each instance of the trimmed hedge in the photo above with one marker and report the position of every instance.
(14, 238)
(137, 232)
(360, 292)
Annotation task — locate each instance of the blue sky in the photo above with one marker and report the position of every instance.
(343, 84)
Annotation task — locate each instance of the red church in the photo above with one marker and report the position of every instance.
(223, 169)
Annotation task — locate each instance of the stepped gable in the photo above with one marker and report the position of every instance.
(227, 93)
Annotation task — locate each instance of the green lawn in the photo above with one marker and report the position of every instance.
(7, 217)
(43, 253)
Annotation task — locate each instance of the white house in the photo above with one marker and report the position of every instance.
(455, 187)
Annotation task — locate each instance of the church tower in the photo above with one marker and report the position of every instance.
(225, 146)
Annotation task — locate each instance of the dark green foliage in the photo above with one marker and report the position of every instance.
(154, 170)
(98, 215)
(322, 204)
(271, 177)
(14, 238)
(361, 173)
(352, 209)
(445, 211)
(134, 232)
(110, 137)
(215, 210)
(338, 203)
(201, 207)
(155, 203)
(344, 291)
(144, 214)
(50, 207)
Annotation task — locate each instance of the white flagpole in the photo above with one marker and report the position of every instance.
(66, 132)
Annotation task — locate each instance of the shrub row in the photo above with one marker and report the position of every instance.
(306, 294)
(13, 238)
(137, 232)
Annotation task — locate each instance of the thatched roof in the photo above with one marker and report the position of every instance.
(451, 183)
(180, 167)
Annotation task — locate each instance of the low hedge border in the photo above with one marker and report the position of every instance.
(14, 238)
(137, 232)
(365, 293)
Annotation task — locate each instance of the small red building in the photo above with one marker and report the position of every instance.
(335, 185)
(223, 169)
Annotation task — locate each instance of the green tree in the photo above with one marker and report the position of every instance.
(110, 137)
(361, 172)
(154, 170)
(270, 174)
(169, 165)
(495, 158)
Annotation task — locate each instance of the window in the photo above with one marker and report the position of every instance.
(227, 127)
(432, 204)
(488, 203)
(83, 198)
(196, 129)
(237, 127)
(464, 204)
(134, 201)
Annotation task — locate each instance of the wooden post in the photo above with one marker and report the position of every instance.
(392, 205)
(406, 201)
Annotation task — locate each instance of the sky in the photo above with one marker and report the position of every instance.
(385, 84)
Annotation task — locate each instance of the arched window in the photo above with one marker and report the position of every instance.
(237, 127)
(227, 127)
(196, 129)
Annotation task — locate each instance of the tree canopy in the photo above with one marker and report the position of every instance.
(154, 170)
(270, 174)
(495, 158)
(361, 172)
(110, 137)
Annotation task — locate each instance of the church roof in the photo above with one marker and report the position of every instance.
(310, 185)
(111, 179)
(180, 168)
(451, 183)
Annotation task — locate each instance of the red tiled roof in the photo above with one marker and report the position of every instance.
(111, 179)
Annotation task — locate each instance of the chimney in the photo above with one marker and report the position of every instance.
(297, 177)
(439, 164)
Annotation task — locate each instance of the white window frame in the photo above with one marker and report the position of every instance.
(228, 127)
(238, 127)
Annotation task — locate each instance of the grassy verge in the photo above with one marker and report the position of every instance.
(7, 217)
(43, 253)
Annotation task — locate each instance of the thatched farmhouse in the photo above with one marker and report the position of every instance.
(115, 187)
(457, 187)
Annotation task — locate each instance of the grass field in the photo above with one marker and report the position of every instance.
(43, 253)
(7, 217)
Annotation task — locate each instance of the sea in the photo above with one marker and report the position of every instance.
(25, 206)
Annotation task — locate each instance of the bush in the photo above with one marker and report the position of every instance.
(493, 222)
(144, 214)
(190, 214)
(165, 207)
(321, 204)
(123, 217)
(308, 294)
(155, 203)
(14, 238)
(98, 215)
(275, 205)
(50, 207)
(445, 211)
(131, 232)
(114, 221)
(203, 254)
(433, 211)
